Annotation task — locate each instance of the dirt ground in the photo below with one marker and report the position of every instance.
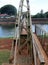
(44, 43)
(5, 43)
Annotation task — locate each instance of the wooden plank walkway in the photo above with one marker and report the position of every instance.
(41, 49)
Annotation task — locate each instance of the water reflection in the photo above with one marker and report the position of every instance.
(9, 30)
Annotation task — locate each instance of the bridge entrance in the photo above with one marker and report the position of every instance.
(25, 47)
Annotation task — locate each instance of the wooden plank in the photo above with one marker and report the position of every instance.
(6, 64)
(38, 48)
(34, 52)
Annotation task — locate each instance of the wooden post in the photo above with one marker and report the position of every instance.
(34, 52)
(35, 56)
(12, 53)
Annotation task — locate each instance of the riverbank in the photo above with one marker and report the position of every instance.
(6, 43)
(6, 23)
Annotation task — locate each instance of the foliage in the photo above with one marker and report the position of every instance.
(0, 10)
(9, 9)
(46, 14)
(41, 15)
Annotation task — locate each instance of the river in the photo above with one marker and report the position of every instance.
(9, 31)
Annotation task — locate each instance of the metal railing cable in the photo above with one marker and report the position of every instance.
(41, 33)
(42, 36)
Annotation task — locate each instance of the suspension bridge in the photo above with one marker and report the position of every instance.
(26, 47)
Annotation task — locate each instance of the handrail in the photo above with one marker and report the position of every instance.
(40, 32)
(41, 28)
(37, 47)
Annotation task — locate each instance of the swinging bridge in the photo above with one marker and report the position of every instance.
(26, 48)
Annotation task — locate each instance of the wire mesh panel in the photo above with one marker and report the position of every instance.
(41, 33)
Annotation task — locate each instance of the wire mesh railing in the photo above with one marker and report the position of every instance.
(41, 33)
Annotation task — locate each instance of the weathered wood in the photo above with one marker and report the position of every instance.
(38, 48)
(34, 52)
(19, 49)
(6, 64)
(12, 53)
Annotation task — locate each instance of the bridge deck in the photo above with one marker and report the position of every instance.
(21, 57)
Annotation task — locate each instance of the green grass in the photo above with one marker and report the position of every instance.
(4, 56)
(6, 37)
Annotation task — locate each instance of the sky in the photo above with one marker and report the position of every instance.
(35, 5)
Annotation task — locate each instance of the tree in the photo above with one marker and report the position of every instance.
(9, 9)
(46, 15)
(0, 10)
(39, 15)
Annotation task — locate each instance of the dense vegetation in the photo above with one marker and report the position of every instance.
(8, 9)
(11, 10)
(38, 15)
(41, 15)
(0, 11)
